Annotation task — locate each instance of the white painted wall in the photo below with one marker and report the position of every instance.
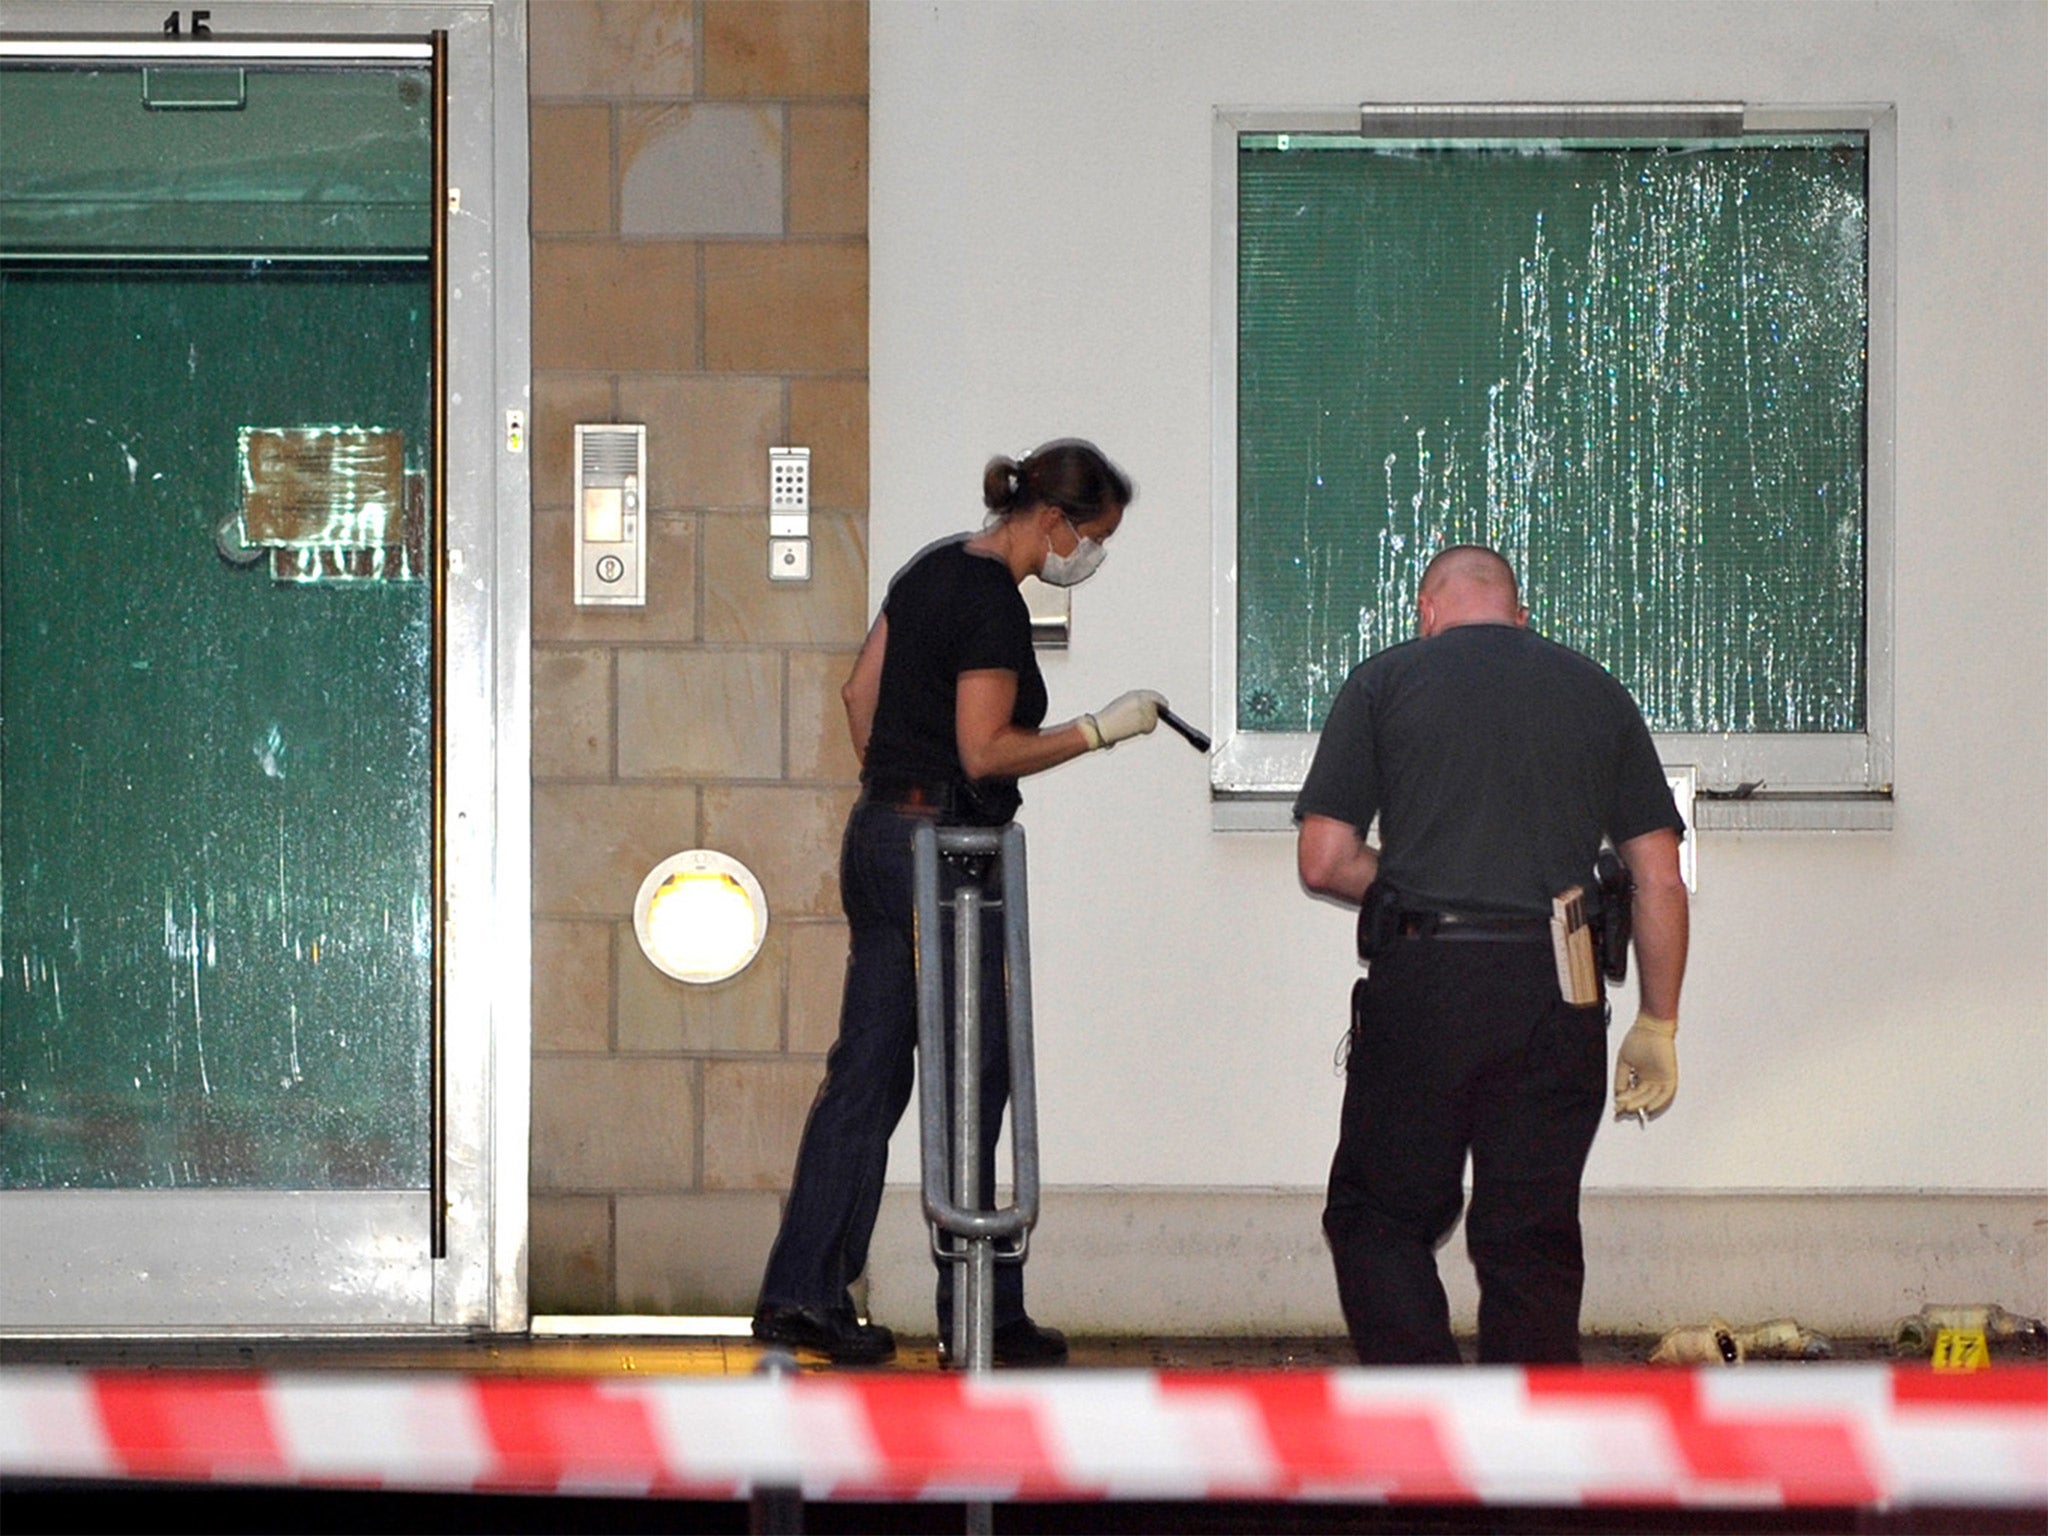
(1865, 1010)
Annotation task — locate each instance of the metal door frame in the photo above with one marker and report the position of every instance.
(139, 1262)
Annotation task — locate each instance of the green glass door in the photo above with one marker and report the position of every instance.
(218, 557)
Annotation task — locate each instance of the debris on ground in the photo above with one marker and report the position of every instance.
(1915, 1335)
(1718, 1342)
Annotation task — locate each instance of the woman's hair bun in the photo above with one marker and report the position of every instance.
(1000, 483)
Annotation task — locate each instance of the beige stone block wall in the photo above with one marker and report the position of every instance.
(753, 1112)
(742, 607)
(728, 1234)
(708, 435)
(566, 142)
(831, 415)
(819, 744)
(572, 986)
(571, 1246)
(796, 49)
(612, 47)
(697, 714)
(599, 304)
(572, 713)
(699, 226)
(828, 170)
(752, 287)
(606, 1123)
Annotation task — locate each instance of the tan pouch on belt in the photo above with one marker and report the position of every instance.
(1571, 940)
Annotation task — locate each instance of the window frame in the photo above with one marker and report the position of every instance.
(1743, 780)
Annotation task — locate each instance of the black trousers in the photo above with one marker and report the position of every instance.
(1464, 1048)
(836, 1192)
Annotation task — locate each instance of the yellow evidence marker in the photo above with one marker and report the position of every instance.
(1961, 1349)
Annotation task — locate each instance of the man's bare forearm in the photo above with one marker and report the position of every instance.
(1662, 920)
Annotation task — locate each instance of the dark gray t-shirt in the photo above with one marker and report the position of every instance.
(1495, 760)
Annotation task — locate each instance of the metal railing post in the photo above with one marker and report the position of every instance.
(973, 1302)
(967, 1231)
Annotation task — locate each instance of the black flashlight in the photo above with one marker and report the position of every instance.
(1194, 737)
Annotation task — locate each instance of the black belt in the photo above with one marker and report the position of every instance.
(1456, 927)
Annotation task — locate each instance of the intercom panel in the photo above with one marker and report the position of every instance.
(611, 515)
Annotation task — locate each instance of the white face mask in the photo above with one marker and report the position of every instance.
(1071, 570)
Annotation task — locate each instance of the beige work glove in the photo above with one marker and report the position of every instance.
(1646, 1067)
(1128, 714)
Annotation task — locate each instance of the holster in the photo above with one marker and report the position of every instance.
(1616, 920)
(1379, 920)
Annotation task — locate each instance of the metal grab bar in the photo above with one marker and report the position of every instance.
(964, 1233)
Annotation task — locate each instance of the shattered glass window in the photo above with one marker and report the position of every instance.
(216, 629)
(1637, 370)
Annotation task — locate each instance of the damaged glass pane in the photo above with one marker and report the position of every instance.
(1639, 371)
(216, 855)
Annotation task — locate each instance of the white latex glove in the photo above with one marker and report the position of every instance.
(1128, 714)
(1646, 1067)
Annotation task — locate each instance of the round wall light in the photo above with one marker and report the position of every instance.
(700, 916)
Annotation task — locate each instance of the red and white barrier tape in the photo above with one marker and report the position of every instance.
(1764, 1435)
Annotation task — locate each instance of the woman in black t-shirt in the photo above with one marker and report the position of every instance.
(946, 706)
